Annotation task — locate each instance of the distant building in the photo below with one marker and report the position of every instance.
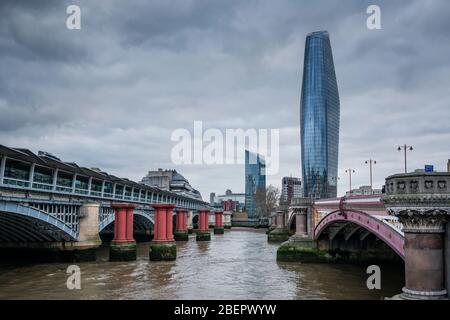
(290, 188)
(236, 201)
(255, 182)
(363, 191)
(448, 165)
(171, 180)
(212, 197)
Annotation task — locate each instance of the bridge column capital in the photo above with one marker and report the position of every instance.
(421, 220)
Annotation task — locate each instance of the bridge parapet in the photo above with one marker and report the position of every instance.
(421, 201)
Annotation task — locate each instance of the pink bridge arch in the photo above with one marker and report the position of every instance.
(382, 230)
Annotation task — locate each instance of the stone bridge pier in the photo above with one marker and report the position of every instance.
(280, 233)
(421, 201)
(299, 246)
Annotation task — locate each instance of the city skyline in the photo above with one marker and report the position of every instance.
(64, 91)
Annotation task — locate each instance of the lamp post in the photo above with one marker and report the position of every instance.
(370, 162)
(350, 171)
(405, 148)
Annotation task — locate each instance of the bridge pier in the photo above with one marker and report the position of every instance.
(181, 231)
(218, 222)
(123, 246)
(421, 201)
(203, 233)
(280, 233)
(89, 239)
(163, 247)
(300, 246)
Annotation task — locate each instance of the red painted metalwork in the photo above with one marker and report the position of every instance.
(181, 220)
(203, 220)
(382, 230)
(163, 222)
(218, 219)
(123, 224)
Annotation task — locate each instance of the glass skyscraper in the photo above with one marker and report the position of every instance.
(319, 118)
(255, 183)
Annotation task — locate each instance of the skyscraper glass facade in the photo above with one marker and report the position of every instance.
(255, 183)
(319, 118)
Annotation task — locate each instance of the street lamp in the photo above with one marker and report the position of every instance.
(405, 148)
(350, 171)
(370, 162)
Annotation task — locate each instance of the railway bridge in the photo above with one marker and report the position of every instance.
(54, 206)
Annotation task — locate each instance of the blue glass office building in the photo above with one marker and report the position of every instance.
(255, 181)
(319, 118)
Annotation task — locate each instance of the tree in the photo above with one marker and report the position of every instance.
(266, 200)
(272, 198)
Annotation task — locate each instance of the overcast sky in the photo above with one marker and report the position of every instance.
(110, 95)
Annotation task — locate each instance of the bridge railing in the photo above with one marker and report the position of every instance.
(392, 221)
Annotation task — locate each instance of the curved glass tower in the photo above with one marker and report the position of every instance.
(319, 118)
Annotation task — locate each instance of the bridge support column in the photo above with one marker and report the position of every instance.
(218, 222)
(123, 246)
(424, 256)
(421, 201)
(181, 231)
(301, 223)
(203, 233)
(301, 246)
(163, 247)
(280, 233)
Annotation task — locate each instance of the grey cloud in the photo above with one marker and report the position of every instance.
(117, 88)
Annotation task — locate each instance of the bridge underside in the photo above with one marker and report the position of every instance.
(353, 242)
(16, 228)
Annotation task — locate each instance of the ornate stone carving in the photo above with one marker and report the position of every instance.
(429, 185)
(414, 186)
(442, 185)
(424, 220)
(401, 186)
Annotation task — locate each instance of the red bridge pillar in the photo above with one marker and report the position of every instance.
(163, 246)
(203, 233)
(123, 246)
(181, 231)
(218, 222)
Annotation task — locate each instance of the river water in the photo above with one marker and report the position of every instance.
(237, 265)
